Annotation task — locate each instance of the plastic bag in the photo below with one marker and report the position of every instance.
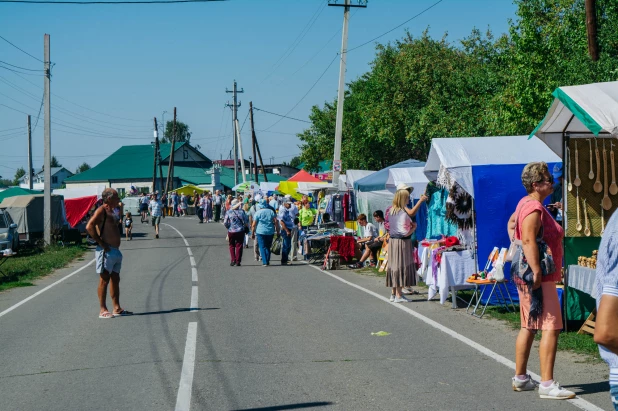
(275, 248)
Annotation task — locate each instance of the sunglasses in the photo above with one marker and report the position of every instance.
(550, 180)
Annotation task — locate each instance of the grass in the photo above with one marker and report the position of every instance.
(32, 263)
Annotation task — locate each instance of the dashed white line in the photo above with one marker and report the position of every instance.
(192, 260)
(194, 274)
(578, 402)
(189, 251)
(193, 306)
(8, 310)
(183, 400)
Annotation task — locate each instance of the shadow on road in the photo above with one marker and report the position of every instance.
(175, 310)
(591, 388)
(290, 406)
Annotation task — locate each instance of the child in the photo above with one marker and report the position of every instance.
(128, 226)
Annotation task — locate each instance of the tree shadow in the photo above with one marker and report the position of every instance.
(289, 406)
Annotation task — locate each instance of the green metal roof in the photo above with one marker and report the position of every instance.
(17, 191)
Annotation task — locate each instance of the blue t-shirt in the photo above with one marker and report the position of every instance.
(264, 220)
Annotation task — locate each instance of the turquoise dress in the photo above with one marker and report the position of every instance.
(436, 213)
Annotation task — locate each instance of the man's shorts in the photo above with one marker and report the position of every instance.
(110, 261)
(143, 207)
(374, 245)
(155, 220)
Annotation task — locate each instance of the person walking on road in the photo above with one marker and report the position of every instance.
(184, 205)
(236, 222)
(538, 299)
(252, 210)
(143, 207)
(606, 284)
(208, 208)
(287, 224)
(128, 226)
(218, 201)
(102, 227)
(156, 211)
(264, 226)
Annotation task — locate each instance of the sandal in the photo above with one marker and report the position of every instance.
(122, 313)
(106, 315)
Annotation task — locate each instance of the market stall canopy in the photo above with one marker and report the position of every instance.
(377, 180)
(460, 155)
(268, 187)
(27, 212)
(308, 188)
(413, 176)
(188, 189)
(244, 186)
(305, 177)
(17, 191)
(354, 175)
(291, 188)
(88, 191)
(589, 108)
(77, 208)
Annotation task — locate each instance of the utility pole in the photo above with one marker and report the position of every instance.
(257, 146)
(591, 29)
(29, 154)
(253, 141)
(156, 150)
(47, 144)
(234, 107)
(170, 175)
(242, 158)
(340, 93)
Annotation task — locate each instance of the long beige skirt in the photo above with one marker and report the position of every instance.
(401, 271)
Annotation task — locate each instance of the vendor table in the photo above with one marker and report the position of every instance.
(317, 245)
(455, 268)
(582, 279)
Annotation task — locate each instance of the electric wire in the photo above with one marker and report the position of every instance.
(21, 68)
(281, 115)
(108, 2)
(303, 97)
(21, 72)
(23, 51)
(11, 129)
(394, 28)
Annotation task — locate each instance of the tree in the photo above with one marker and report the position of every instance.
(5, 182)
(55, 162)
(83, 167)
(182, 132)
(295, 161)
(18, 174)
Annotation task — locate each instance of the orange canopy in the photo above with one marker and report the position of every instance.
(304, 177)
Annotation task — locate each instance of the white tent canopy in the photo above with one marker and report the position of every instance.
(265, 187)
(307, 188)
(413, 176)
(353, 175)
(459, 155)
(589, 108)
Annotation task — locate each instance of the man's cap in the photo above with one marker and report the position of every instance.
(235, 204)
(557, 172)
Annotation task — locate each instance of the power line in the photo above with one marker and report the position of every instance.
(11, 129)
(394, 28)
(107, 2)
(21, 72)
(23, 51)
(19, 111)
(243, 123)
(21, 68)
(281, 115)
(303, 97)
(297, 40)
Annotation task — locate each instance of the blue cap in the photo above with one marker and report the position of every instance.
(557, 173)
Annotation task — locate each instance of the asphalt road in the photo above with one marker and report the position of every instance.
(265, 338)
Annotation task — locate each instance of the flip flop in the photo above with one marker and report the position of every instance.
(122, 313)
(106, 315)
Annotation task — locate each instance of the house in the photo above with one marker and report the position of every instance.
(132, 166)
(282, 170)
(58, 176)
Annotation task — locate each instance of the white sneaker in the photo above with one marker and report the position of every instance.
(401, 299)
(392, 298)
(524, 385)
(555, 392)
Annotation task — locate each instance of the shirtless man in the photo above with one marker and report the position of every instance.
(102, 227)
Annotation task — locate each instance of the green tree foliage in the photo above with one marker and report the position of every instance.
(182, 132)
(419, 88)
(19, 174)
(83, 167)
(295, 162)
(55, 162)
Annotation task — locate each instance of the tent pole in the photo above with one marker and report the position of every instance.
(475, 245)
(565, 141)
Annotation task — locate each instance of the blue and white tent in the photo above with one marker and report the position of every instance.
(489, 169)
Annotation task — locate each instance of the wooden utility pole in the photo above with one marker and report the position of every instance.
(29, 154)
(170, 174)
(47, 145)
(591, 28)
(261, 162)
(255, 166)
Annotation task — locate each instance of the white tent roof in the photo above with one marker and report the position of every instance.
(413, 176)
(353, 175)
(69, 193)
(268, 186)
(307, 188)
(459, 155)
(589, 108)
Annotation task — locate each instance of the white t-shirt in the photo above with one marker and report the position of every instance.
(370, 231)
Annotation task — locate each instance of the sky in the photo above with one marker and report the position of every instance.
(116, 67)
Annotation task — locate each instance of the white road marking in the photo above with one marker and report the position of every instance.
(185, 240)
(578, 402)
(189, 251)
(192, 260)
(183, 401)
(193, 306)
(194, 274)
(8, 310)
